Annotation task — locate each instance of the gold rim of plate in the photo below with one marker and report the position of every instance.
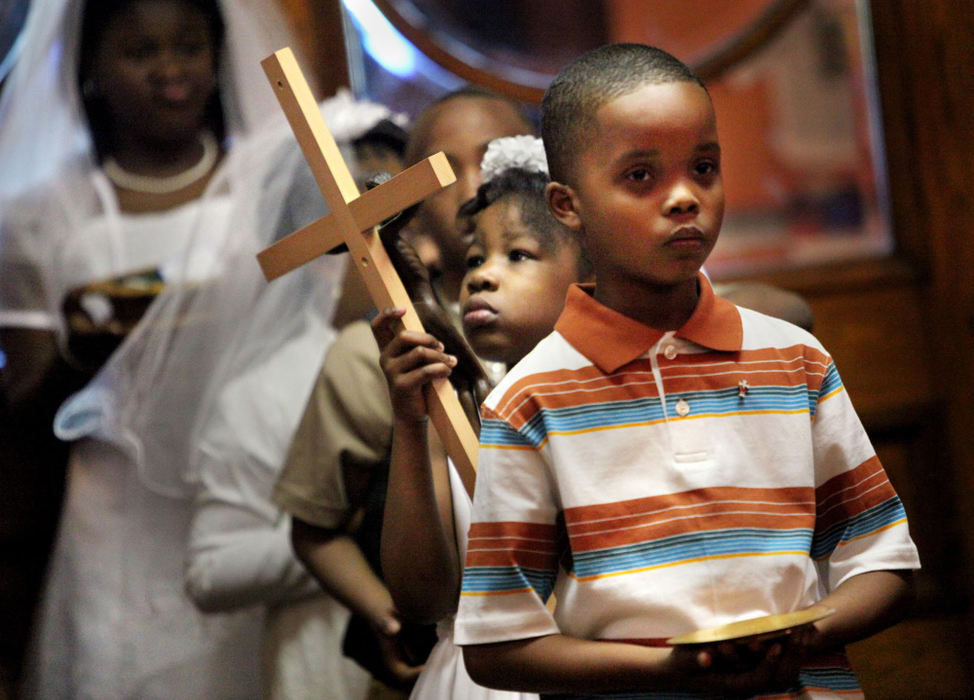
(755, 626)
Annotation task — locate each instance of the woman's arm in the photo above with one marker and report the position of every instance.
(238, 557)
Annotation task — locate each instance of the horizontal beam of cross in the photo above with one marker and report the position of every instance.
(369, 209)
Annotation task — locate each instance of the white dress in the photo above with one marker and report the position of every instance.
(445, 676)
(239, 551)
(114, 620)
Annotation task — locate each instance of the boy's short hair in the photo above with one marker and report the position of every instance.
(527, 188)
(417, 144)
(590, 81)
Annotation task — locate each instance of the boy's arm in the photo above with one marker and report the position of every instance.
(343, 437)
(864, 605)
(419, 557)
(338, 564)
(559, 663)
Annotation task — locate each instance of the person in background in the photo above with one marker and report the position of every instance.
(239, 554)
(131, 151)
(335, 469)
(667, 461)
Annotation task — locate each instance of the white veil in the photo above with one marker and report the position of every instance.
(155, 391)
(42, 122)
(157, 388)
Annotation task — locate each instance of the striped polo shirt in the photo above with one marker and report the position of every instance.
(659, 482)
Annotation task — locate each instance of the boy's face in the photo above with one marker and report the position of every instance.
(461, 128)
(647, 192)
(515, 285)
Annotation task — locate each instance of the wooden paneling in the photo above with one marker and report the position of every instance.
(901, 331)
(321, 43)
(926, 80)
(872, 334)
(879, 340)
(918, 659)
(901, 328)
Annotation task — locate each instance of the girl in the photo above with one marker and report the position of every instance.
(520, 264)
(139, 113)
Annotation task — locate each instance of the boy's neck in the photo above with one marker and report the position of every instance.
(663, 307)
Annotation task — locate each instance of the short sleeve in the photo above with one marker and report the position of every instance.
(861, 524)
(514, 543)
(344, 434)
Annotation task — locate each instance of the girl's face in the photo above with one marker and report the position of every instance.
(515, 285)
(155, 68)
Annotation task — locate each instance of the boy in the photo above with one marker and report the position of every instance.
(666, 461)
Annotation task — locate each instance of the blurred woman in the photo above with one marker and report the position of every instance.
(133, 185)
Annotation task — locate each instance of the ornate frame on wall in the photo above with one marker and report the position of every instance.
(803, 156)
(475, 65)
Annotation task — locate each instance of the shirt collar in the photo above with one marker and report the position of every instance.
(610, 339)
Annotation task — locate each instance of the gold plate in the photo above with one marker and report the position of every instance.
(767, 625)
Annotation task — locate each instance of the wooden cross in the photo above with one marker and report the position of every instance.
(352, 219)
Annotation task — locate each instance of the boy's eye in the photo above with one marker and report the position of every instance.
(639, 175)
(519, 256)
(707, 167)
(474, 261)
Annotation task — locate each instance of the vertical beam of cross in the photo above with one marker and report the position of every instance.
(351, 220)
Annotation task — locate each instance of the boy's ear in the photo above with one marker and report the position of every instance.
(561, 202)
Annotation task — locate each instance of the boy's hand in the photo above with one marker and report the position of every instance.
(400, 671)
(748, 666)
(378, 647)
(410, 360)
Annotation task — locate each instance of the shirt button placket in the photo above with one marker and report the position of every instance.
(681, 407)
